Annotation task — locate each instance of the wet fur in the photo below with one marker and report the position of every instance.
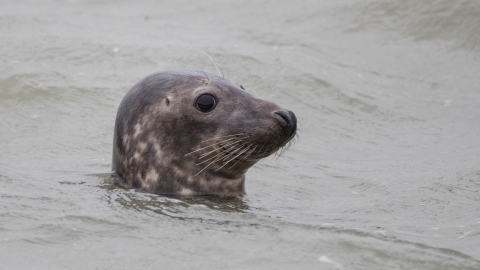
(162, 140)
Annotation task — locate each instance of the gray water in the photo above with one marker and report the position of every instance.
(385, 174)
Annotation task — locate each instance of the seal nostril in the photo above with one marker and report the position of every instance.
(285, 116)
(293, 122)
(290, 121)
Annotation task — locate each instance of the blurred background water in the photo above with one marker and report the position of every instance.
(385, 175)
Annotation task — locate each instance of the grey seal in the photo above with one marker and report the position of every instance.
(189, 132)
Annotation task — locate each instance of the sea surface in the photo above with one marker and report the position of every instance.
(385, 173)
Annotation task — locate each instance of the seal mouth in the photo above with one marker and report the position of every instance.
(230, 150)
(226, 152)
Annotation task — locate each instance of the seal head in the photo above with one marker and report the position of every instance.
(192, 133)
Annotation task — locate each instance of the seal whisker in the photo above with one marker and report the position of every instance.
(232, 146)
(223, 75)
(207, 154)
(209, 164)
(245, 157)
(243, 151)
(229, 143)
(293, 140)
(259, 151)
(233, 152)
(187, 67)
(278, 153)
(225, 163)
(206, 75)
(221, 153)
(249, 153)
(212, 157)
(261, 148)
(221, 137)
(213, 63)
(208, 146)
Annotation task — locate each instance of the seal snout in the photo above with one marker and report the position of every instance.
(290, 121)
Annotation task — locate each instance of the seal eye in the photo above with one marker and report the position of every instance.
(206, 102)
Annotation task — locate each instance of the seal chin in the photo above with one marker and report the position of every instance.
(179, 132)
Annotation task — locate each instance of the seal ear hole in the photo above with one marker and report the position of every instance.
(206, 102)
(241, 86)
(167, 101)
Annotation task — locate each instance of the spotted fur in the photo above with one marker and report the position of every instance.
(163, 144)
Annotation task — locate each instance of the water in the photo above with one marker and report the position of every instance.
(385, 174)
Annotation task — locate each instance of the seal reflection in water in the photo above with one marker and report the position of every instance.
(193, 133)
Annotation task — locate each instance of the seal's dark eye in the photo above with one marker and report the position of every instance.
(206, 102)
